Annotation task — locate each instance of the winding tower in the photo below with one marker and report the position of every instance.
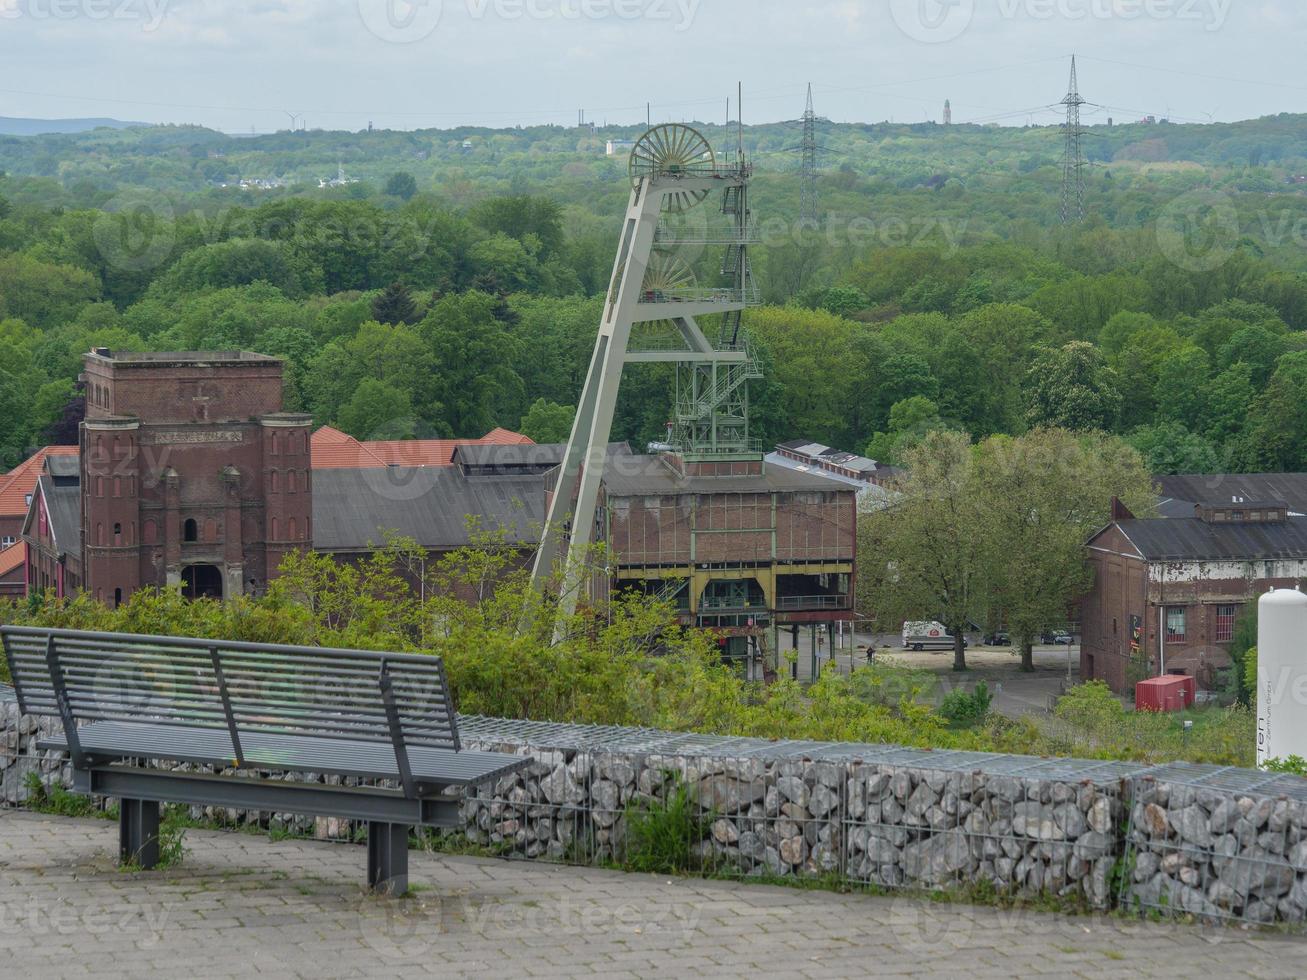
(659, 310)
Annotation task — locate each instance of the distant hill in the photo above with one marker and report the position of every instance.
(38, 127)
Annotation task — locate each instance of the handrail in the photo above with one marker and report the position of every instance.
(792, 602)
(192, 643)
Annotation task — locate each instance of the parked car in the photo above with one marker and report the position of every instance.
(998, 639)
(1059, 638)
(927, 636)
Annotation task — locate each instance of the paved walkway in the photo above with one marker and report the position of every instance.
(243, 904)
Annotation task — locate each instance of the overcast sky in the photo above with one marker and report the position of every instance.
(338, 64)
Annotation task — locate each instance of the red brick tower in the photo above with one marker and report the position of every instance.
(191, 473)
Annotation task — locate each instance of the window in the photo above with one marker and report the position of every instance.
(290, 481)
(1225, 616)
(190, 530)
(117, 486)
(7, 542)
(1175, 625)
(117, 535)
(117, 598)
(274, 481)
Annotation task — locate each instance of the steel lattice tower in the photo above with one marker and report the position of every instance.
(1073, 159)
(808, 189)
(651, 316)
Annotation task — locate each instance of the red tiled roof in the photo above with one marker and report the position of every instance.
(21, 480)
(333, 449)
(12, 558)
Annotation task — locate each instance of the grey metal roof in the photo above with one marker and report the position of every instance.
(647, 475)
(65, 506)
(431, 504)
(550, 455)
(64, 467)
(521, 457)
(1160, 539)
(1181, 493)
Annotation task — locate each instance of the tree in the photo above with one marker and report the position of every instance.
(401, 185)
(1169, 448)
(1073, 388)
(921, 557)
(1181, 385)
(394, 304)
(472, 363)
(1037, 498)
(547, 423)
(909, 423)
(1275, 439)
(523, 217)
(377, 410)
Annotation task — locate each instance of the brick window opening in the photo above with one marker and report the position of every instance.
(1175, 625)
(1225, 616)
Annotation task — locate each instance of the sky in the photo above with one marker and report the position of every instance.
(253, 65)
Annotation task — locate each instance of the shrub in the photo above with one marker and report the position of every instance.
(967, 710)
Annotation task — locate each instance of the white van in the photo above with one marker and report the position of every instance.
(927, 636)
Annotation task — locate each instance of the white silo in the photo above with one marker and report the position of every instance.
(1281, 675)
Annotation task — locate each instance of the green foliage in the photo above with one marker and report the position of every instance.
(1248, 678)
(394, 305)
(1243, 640)
(1295, 765)
(967, 710)
(401, 185)
(1073, 388)
(377, 410)
(547, 423)
(54, 799)
(1097, 725)
(662, 833)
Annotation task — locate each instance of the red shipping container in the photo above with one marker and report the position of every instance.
(1172, 693)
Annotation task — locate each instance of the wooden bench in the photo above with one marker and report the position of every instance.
(130, 703)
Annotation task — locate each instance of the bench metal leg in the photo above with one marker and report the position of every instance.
(138, 832)
(388, 857)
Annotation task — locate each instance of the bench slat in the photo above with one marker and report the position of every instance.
(281, 691)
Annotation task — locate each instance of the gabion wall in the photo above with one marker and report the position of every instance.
(1219, 843)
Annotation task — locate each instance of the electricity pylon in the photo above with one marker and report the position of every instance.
(1073, 159)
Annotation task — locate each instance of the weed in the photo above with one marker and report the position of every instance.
(661, 837)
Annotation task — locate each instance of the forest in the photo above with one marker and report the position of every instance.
(452, 282)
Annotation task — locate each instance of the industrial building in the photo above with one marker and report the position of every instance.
(189, 474)
(743, 548)
(1167, 591)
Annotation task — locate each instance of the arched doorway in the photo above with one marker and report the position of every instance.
(202, 582)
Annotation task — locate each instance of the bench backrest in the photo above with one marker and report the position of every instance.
(219, 684)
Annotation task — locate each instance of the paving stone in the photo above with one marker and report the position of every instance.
(239, 905)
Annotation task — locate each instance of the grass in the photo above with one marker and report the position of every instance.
(661, 837)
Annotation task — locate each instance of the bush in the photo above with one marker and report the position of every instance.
(967, 710)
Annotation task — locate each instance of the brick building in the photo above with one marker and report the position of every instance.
(1167, 591)
(188, 474)
(742, 547)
